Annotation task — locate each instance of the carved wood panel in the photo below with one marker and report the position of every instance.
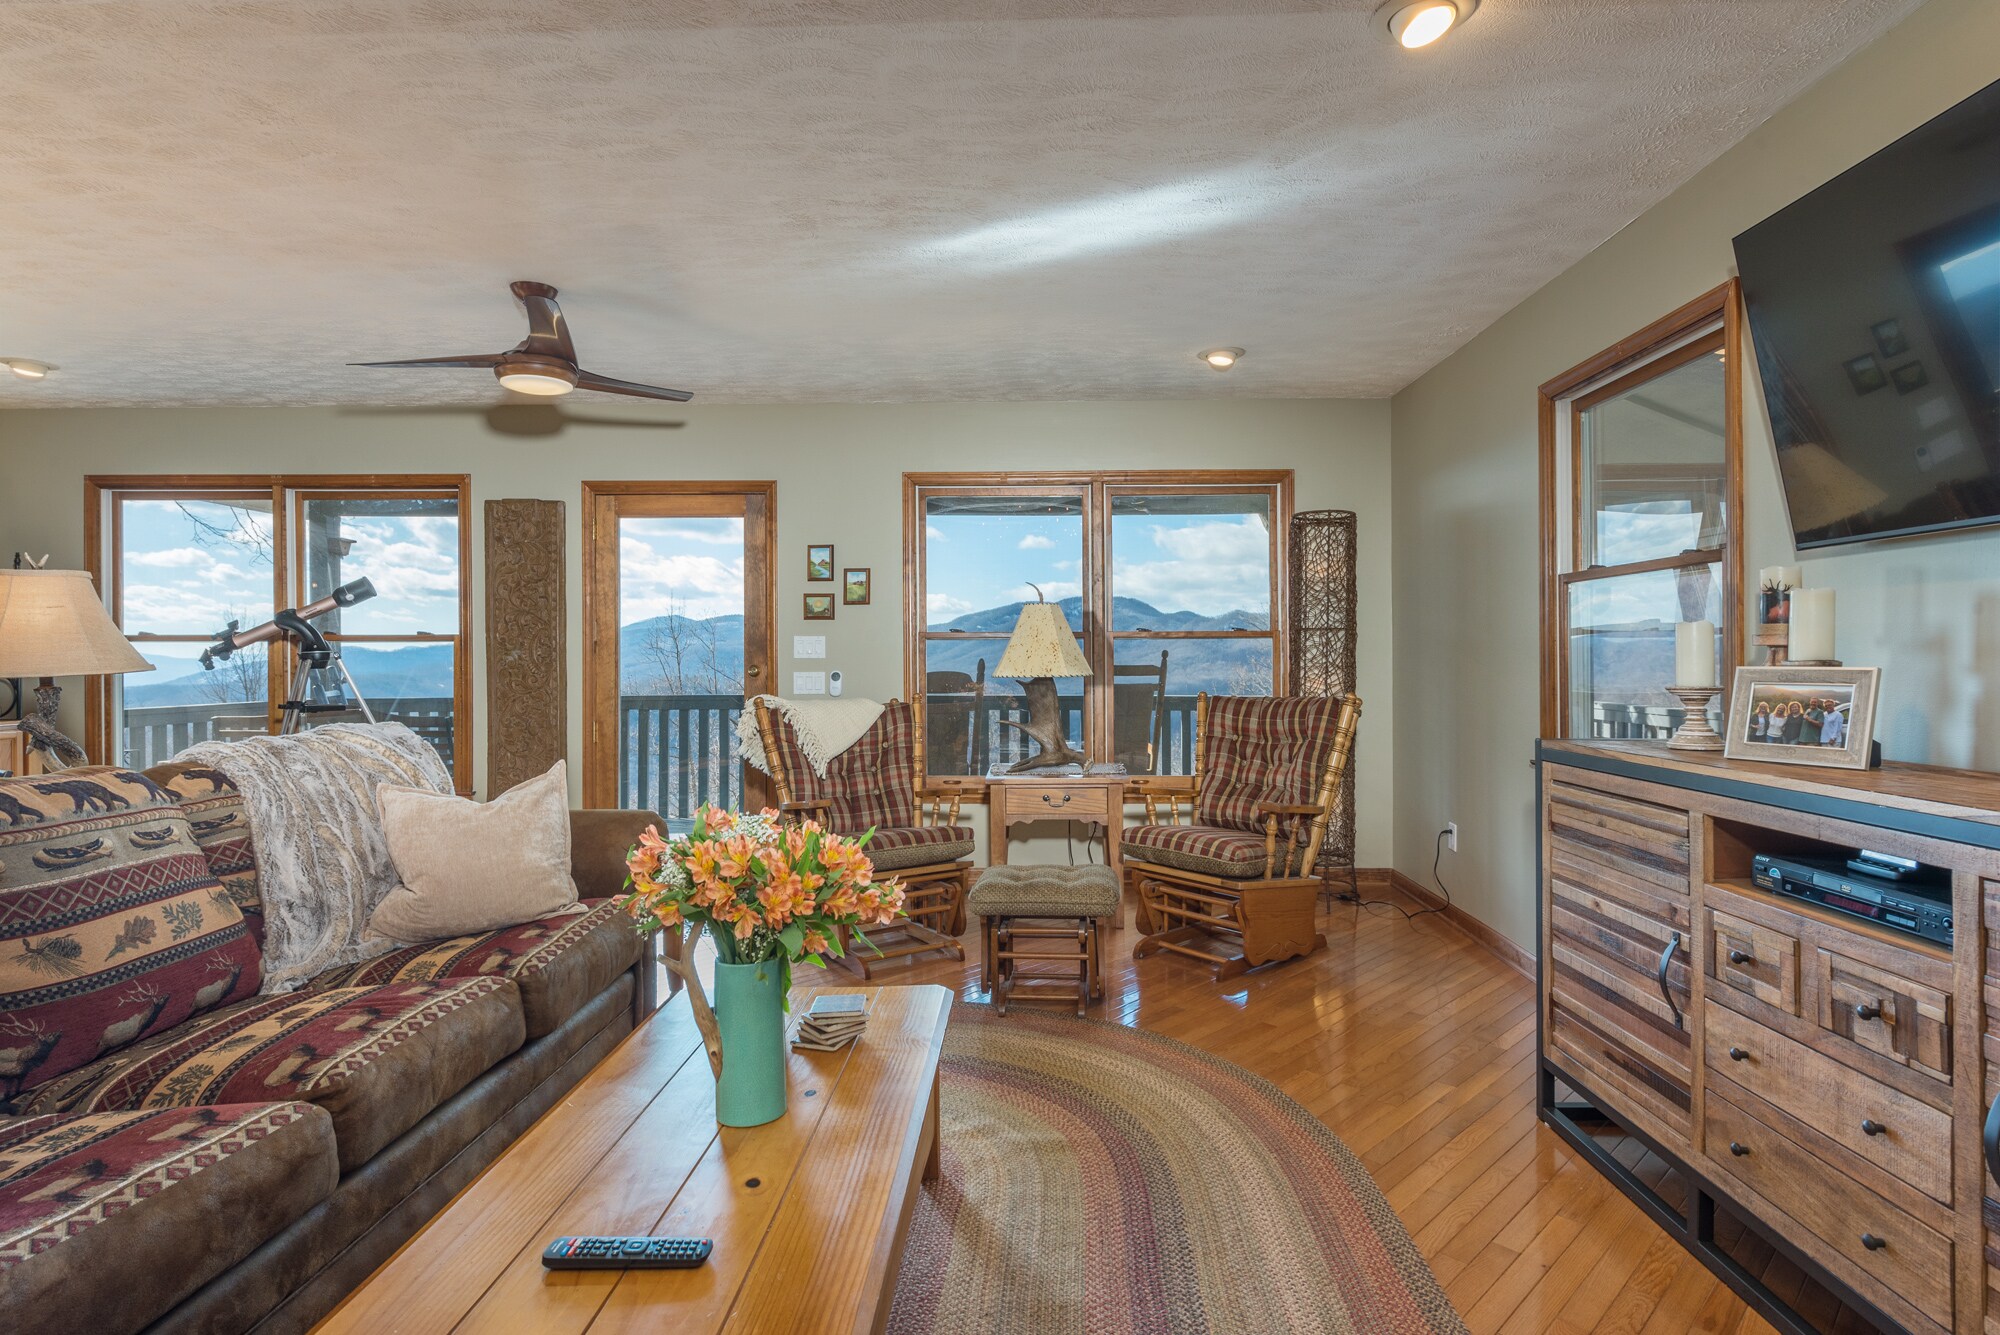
(526, 667)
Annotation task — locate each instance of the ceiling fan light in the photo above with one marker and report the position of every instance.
(534, 382)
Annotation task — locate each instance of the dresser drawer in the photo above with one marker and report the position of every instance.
(1901, 1135)
(1756, 960)
(1642, 840)
(1904, 1258)
(1083, 802)
(1895, 1017)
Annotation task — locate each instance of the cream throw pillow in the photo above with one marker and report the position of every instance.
(469, 867)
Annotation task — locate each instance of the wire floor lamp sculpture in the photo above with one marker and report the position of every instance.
(1320, 626)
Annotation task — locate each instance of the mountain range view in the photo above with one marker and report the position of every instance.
(675, 655)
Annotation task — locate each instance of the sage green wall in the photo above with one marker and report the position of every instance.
(1465, 480)
(839, 472)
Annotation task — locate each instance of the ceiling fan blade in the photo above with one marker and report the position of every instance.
(548, 332)
(592, 380)
(478, 359)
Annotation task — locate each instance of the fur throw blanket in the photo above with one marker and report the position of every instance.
(322, 864)
(824, 728)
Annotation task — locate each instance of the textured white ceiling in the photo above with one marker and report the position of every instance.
(835, 200)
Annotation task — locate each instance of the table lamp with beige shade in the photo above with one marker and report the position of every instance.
(53, 625)
(1042, 648)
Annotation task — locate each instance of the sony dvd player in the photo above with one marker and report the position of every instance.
(1916, 901)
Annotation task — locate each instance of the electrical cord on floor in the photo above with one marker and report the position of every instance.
(1437, 862)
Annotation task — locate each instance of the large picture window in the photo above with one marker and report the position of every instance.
(180, 558)
(1172, 583)
(1641, 511)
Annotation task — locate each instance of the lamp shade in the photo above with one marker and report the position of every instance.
(52, 625)
(1042, 645)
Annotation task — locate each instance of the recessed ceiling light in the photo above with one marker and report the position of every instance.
(1222, 359)
(25, 369)
(1415, 23)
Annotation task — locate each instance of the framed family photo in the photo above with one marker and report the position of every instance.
(1804, 715)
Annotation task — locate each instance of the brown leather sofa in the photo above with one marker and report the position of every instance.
(129, 1201)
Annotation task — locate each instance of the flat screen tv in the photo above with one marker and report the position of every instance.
(1874, 304)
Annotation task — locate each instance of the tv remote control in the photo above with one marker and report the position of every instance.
(584, 1253)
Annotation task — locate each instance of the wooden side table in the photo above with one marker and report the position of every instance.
(1091, 798)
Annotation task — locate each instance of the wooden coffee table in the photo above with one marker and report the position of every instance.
(808, 1212)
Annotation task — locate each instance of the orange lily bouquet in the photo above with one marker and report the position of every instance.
(763, 890)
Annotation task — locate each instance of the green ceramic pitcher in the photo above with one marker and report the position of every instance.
(750, 1013)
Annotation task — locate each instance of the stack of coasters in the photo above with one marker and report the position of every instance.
(832, 1023)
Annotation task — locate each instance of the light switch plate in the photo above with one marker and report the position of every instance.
(808, 646)
(808, 683)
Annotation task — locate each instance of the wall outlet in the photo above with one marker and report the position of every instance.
(808, 646)
(1451, 835)
(808, 683)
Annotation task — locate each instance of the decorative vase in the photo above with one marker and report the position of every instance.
(750, 1014)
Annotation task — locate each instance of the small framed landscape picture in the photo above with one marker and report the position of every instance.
(855, 583)
(1864, 373)
(1889, 340)
(819, 562)
(819, 607)
(1804, 715)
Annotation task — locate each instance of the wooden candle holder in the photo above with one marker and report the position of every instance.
(1695, 732)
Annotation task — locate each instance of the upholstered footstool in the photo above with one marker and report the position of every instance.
(1039, 931)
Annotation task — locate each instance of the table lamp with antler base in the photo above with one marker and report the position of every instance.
(1042, 648)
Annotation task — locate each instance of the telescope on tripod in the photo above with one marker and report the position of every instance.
(315, 688)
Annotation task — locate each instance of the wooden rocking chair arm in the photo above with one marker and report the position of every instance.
(1287, 809)
(819, 805)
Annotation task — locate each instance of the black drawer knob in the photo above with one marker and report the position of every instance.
(1741, 957)
(1871, 1127)
(1738, 1148)
(1873, 1243)
(1738, 1055)
(1867, 1010)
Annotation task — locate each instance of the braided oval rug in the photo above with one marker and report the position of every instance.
(1106, 1181)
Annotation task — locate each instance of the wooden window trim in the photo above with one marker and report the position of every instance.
(1097, 489)
(1643, 355)
(100, 493)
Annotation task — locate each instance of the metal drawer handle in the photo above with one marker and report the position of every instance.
(1051, 800)
(1873, 1243)
(1868, 1010)
(1666, 960)
(1738, 1055)
(1741, 957)
(1871, 1127)
(1738, 1148)
(1990, 1140)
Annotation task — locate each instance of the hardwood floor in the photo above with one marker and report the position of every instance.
(1416, 1047)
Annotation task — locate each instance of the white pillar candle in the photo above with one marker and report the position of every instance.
(1812, 624)
(1788, 577)
(1771, 577)
(1694, 653)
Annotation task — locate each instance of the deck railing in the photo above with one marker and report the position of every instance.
(678, 752)
(154, 734)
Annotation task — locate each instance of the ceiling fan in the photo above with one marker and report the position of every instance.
(545, 361)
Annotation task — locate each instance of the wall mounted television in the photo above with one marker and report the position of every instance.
(1874, 304)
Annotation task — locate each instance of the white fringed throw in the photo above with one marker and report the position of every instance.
(824, 728)
(322, 864)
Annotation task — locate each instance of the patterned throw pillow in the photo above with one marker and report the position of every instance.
(111, 925)
(220, 819)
